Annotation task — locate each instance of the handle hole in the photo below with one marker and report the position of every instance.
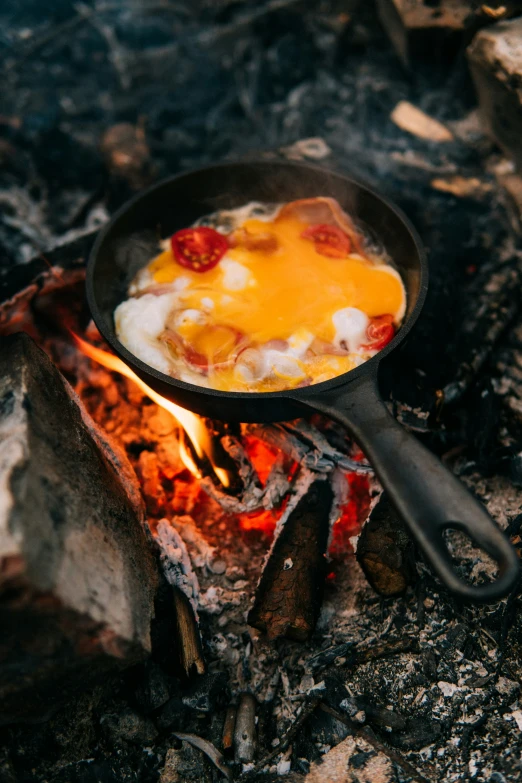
(472, 563)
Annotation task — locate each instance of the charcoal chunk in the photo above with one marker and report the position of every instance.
(326, 729)
(153, 692)
(207, 692)
(380, 716)
(173, 715)
(128, 726)
(419, 732)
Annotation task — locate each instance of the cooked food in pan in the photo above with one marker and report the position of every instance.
(263, 298)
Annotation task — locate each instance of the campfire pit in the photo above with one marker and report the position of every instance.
(415, 688)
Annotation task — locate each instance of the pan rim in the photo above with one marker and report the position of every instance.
(367, 368)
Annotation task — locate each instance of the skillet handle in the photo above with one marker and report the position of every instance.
(428, 497)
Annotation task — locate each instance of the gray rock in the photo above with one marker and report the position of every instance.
(77, 577)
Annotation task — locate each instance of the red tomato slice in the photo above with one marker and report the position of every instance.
(199, 249)
(329, 240)
(380, 332)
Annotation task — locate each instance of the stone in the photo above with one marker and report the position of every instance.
(353, 760)
(495, 60)
(77, 574)
(171, 770)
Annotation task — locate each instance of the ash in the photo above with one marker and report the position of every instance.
(426, 688)
(98, 101)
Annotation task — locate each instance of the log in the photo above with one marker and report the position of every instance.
(386, 552)
(77, 576)
(433, 32)
(424, 31)
(289, 595)
(495, 59)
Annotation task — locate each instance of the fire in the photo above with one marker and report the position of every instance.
(352, 516)
(192, 424)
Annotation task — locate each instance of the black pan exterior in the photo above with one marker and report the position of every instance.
(131, 238)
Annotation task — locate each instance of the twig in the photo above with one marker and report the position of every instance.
(210, 36)
(116, 50)
(78, 18)
(304, 715)
(190, 649)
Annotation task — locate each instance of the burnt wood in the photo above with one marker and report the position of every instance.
(385, 551)
(288, 598)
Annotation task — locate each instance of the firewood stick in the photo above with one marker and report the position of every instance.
(245, 729)
(228, 728)
(289, 595)
(189, 641)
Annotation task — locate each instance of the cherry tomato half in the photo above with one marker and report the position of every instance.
(379, 332)
(329, 240)
(199, 249)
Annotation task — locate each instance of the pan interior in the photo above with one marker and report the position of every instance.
(131, 239)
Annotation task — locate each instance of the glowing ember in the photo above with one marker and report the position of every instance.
(192, 424)
(265, 521)
(353, 514)
(261, 456)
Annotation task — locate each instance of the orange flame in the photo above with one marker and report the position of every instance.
(192, 424)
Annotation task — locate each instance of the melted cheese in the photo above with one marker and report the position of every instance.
(291, 289)
(293, 294)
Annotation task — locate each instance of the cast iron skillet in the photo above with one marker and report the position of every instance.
(428, 497)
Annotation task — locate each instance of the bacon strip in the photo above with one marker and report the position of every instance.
(323, 209)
